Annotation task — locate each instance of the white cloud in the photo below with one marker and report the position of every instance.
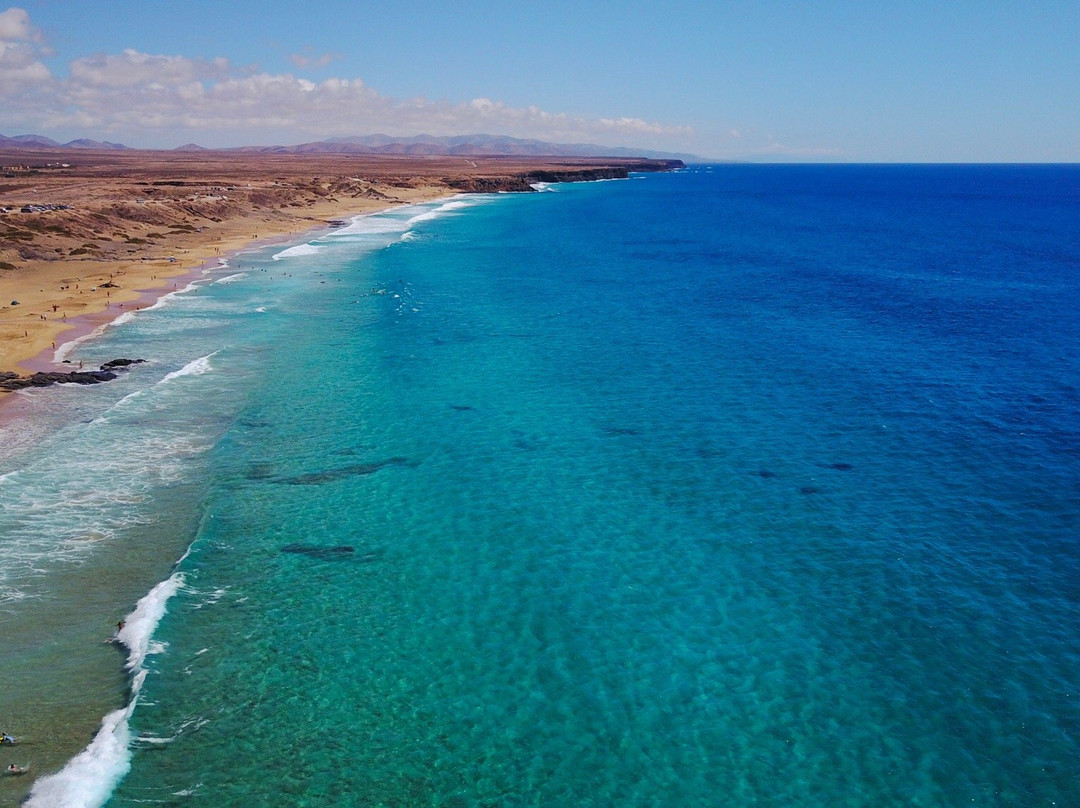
(15, 26)
(308, 60)
(163, 100)
(638, 125)
(21, 46)
(134, 69)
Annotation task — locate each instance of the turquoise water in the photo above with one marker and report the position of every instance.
(735, 486)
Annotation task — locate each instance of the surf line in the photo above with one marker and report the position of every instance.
(89, 778)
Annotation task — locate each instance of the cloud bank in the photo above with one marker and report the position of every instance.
(159, 100)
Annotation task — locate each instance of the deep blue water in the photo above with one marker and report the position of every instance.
(744, 485)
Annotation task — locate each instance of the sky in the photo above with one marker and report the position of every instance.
(790, 81)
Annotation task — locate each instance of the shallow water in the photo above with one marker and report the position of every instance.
(742, 485)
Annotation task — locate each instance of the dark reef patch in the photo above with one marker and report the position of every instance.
(315, 551)
(260, 471)
(339, 553)
(707, 451)
(355, 470)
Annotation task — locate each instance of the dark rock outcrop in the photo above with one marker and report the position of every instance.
(523, 182)
(106, 373)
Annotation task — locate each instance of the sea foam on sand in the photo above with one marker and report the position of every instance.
(91, 776)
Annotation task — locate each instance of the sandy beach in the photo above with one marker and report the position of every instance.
(86, 236)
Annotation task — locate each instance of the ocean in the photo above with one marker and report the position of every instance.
(737, 485)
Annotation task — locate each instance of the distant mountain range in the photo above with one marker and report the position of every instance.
(420, 145)
(42, 142)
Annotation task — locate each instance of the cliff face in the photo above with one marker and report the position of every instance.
(523, 182)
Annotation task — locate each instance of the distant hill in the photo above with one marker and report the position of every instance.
(100, 145)
(28, 142)
(42, 142)
(418, 145)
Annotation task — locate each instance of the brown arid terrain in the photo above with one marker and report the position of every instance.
(87, 235)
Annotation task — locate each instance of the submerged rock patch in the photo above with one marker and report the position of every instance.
(315, 551)
(355, 470)
(339, 553)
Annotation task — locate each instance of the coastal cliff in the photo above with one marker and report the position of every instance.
(523, 181)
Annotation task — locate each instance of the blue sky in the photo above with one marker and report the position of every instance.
(837, 81)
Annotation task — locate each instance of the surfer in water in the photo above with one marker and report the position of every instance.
(7, 740)
(13, 769)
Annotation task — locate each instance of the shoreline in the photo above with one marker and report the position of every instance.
(84, 326)
(96, 233)
(46, 315)
(147, 289)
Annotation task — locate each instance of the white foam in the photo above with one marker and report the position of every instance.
(90, 777)
(296, 252)
(370, 224)
(66, 348)
(126, 317)
(140, 624)
(153, 741)
(196, 367)
(165, 299)
(62, 352)
(450, 206)
(232, 278)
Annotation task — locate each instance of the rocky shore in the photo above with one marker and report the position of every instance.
(9, 380)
